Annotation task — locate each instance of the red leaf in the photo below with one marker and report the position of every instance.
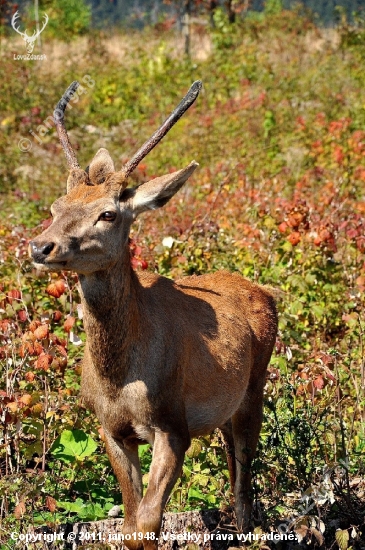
(57, 315)
(41, 332)
(23, 350)
(56, 289)
(26, 399)
(13, 295)
(283, 227)
(62, 350)
(69, 323)
(28, 336)
(43, 361)
(294, 238)
(319, 383)
(22, 315)
(19, 510)
(51, 504)
(12, 406)
(61, 285)
(33, 325)
(37, 348)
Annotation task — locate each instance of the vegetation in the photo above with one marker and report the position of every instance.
(279, 197)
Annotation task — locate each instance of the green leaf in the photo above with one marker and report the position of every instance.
(195, 449)
(87, 511)
(212, 457)
(318, 310)
(73, 445)
(195, 493)
(297, 281)
(342, 538)
(75, 506)
(287, 246)
(143, 450)
(200, 479)
(330, 438)
(212, 499)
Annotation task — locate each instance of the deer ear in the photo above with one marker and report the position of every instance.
(157, 192)
(100, 167)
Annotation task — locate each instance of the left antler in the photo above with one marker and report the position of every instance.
(59, 118)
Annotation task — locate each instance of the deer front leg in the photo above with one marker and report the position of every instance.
(167, 460)
(125, 462)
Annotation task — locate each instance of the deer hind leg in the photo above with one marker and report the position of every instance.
(227, 433)
(167, 460)
(246, 426)
(126, 466)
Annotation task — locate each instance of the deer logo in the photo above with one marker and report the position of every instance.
(29, 40)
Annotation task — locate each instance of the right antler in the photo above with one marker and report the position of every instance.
(59, 118)
(143, 151)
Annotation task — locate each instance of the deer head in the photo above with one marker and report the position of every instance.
(91, 223)
(29, 40)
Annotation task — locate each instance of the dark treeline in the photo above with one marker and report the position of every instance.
(138, 13)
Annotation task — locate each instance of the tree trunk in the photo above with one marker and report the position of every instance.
(186, 26)
(213, 4)
(230, 12)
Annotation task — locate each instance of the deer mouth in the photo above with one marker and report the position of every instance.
(50, 266)
(55, 263)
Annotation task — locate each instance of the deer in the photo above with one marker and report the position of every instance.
(29, 40)
(164, 361)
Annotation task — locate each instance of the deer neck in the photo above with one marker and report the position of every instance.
(110, 309)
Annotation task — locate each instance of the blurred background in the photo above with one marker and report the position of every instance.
(109, 14)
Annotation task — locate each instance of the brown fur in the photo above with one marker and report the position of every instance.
(164, 361)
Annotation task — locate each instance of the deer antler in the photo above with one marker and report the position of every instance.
(162, 131)
(59, 118)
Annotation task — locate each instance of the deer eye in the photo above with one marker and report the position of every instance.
(108, 216)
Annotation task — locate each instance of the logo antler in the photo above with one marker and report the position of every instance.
(29, 40)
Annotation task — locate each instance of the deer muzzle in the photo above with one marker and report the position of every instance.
(41, 254)
(40, 251)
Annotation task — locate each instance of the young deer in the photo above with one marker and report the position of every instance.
(164, 361)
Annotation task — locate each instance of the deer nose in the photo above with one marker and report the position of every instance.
(40, 251)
